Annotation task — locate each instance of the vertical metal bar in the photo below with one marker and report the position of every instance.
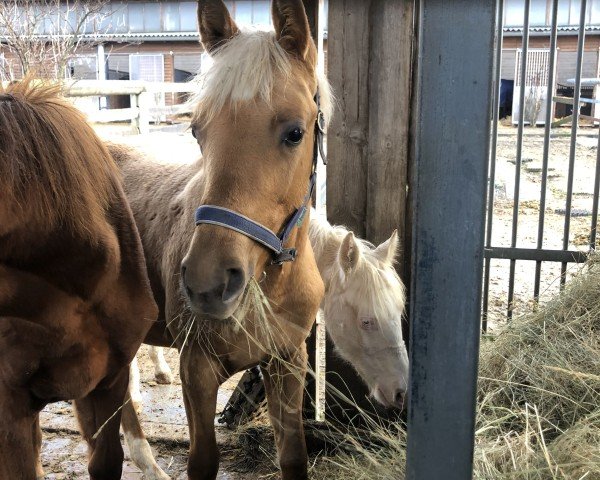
(451, 147)
(492, 170)
(547, 129)
(519, 159)
(574, 127)
(595, 202)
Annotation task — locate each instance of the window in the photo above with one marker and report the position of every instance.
(152, 17)
(146, 67)
(136, 17)
(186, 66)
(187, 16)
(261, 14)
(513, 13)
(595, 12)
(83, 67)
(119, 17)
(171, 17)
(563, 12)
(537, 14)
(118, 67)
(575, 8)
(243, 11)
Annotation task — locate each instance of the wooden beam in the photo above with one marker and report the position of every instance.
(389, 119)
(348, 71)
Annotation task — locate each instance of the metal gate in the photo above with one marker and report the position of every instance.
(541, 213)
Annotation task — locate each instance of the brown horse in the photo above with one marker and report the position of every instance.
(256, 125)
(75, 301)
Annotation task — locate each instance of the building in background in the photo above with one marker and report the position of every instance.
(539, 54)
(155, 41)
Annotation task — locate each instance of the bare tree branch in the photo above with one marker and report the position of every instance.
(43, 36)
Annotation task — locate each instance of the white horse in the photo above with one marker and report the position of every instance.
(363, 309)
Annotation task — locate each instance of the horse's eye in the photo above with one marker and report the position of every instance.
(294, 137)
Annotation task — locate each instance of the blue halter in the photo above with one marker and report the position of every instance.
(224, 217)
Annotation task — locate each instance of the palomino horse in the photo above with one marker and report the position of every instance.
(75, 301)
(256, 122)
(363, 307)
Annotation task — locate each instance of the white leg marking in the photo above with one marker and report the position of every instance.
(162, 372)
(141, 454)
(134, 385)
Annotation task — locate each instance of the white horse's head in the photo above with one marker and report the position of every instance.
(363, 307)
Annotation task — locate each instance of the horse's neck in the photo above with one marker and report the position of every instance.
(326, 241)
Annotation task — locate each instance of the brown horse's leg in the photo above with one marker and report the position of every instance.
(200, 385)
(139, 448)
(284, 385)
(17, 459)
(36, 435)
(99, 415)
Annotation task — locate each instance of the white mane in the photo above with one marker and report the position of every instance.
(246, 68)
(372, 282)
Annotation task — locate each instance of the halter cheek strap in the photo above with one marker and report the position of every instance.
(224, 217)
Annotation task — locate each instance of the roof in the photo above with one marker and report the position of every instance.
(564, 29)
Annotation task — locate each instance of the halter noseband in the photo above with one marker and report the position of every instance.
(224, 217)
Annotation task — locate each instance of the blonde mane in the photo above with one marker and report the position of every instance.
(372, 281)
(244, 69)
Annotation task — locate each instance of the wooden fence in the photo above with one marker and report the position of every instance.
(142, 109)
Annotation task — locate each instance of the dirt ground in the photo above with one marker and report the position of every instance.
(64, 453)
(163, 417)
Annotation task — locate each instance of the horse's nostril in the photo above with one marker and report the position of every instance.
(235, 284)
(399, 398)
(183, 268)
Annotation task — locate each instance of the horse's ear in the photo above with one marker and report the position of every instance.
(388, 250)
(291, 26)
(349, 253)
(215, 24)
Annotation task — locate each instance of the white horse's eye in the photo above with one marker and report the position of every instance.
(368, 323)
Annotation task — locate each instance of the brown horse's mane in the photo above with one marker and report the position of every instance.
(54, 170)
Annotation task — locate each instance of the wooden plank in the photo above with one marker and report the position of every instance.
(389, 119)
(348, 72)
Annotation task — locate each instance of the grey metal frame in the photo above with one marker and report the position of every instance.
(451, 151)
(538, 254)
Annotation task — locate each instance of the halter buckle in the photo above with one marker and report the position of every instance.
(321, 121)
(286, 255)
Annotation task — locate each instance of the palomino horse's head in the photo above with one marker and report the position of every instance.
(363, 309)
(255, 124)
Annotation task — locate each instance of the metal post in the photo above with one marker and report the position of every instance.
(546, 153)
(519, 158)
(492, 177)
(574, 127)
(451, 142)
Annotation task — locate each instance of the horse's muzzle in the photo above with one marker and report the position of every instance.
(217, 297)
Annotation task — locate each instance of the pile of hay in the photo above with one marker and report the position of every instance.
(538, 401)
(539, 389)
